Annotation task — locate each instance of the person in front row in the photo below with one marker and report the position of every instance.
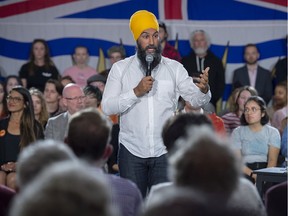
(151, 99)
(17, 131)
(255, 141)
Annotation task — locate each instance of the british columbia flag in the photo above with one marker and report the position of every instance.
(103, 23)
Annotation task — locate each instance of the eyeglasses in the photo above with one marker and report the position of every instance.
(14, 99)
(252, 110)
(80, 98)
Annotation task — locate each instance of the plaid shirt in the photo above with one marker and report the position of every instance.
(170, 52)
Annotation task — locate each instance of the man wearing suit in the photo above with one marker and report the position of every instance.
(253, 75)
(73, 99)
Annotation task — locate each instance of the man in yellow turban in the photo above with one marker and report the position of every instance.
(145, 101)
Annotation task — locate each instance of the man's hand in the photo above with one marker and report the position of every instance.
(203, 80)
(144, 86)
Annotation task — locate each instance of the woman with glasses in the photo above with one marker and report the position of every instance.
(255, 141)
(17, 131)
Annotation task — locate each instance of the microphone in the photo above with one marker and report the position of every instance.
(149, 59)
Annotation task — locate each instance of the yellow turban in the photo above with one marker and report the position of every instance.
(142, 20)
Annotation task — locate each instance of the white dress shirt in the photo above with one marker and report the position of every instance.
(142, 118)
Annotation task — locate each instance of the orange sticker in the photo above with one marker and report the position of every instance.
(2, 133)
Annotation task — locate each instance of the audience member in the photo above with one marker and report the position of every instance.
(132, 95)
(65, 189)
(279, 102)
(66, 80)
(39, 105)
(12, 81)
(38, 156)
(185, 202)
(93, 96)
(256, 142)
(167, 49)
(53, 96)
(179, 128)
(115, 54)
(200, 58)
(3, 102)
(81, 71)
(279, 99)
(98, 81)
(39, 68)
(232, 119)
(17, 131)
(74, 100)
(252, 74)
(88, 136)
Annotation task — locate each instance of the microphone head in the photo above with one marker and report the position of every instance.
(149, 58)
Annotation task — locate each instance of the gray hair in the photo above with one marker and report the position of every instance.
(65, 189)
(39, 155)
(205, 162)
(200, 31)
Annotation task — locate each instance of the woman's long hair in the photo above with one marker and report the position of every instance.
(47, 60)
(44, 115)
(28, 129)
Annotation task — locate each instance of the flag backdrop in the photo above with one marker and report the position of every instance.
(103, 23)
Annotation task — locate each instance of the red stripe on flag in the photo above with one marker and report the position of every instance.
(28, 6)
(277, 2)
(173, 9)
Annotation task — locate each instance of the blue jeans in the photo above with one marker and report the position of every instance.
(144, 172)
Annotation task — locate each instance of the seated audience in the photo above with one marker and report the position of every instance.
(256, 142)
(98, 81)
(65, 189)
(81, 71)
(202, 57)
(93, 96)
(66, 80)
(179, 128)
(53, 97)
(279, 101)
(39, 105)
(232, 119)
(88, 136)
(74, 100)
(115, 53)
(37, 157)
(17, 131)
(12, 81)
(167, 49)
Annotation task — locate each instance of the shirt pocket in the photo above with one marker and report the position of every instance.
(165, 90)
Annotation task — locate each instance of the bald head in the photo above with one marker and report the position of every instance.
(73, 98)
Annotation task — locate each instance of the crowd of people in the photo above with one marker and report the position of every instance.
(126, 142)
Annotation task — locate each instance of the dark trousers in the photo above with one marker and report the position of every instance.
(144, 172)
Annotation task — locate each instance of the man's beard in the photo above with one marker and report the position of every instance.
(141, 53)
(200, 51)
